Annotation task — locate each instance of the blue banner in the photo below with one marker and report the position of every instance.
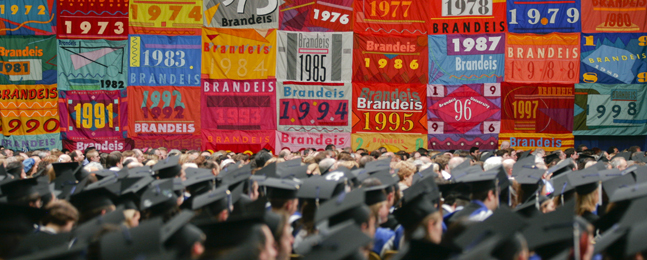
(29, 17)
(31, 142)
(157, 60)
(540, 16)
(92, 64)
(614, 58)
(464, 59)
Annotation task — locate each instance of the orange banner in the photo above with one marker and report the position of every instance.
(392, 142)
(29, 109)
(549, 58)
(238, 54)
(548, 142)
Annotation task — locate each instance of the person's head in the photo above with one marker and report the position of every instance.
(283, 238)
(586, 202)
(475, 152)
(508, 164)
(139, 155)
(453, 162)
(504, 145)
(405, 172)
(16, 169)
(486, 193)
(330, 147)
(492, 163)
(619, 163)
(285, 154)
(162, 152)
(364, 160)
(612, 150)
(582, 147)
(61, 216)
(326, 165)
(114, 160)
(548, 206)
(77, 156)
(571, 153)
(634, 149)
(382, 149)
(93, 156)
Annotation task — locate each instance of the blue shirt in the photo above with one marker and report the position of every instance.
(382, 235)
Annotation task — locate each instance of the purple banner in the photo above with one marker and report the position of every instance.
(475, 44)
(95, 115)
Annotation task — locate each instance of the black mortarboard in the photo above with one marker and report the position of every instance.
(612, 241)
(218, 200)
(626, 155)
(17, 189)
(90, 199)
(484, 181)
(65, 180)
(200, 183)
(524, 155)
(551, 157)
(319, 188)
(464, 165)
(531, 182)
(482, 251)
(180, 235)
(135, 243)
(78, 251)
(549, 234)
(15, 219)
(237, 175)
(641, 174)
(269, 170)
(288, 171)
(502, 222)
(87, 230)
(346, 206)
(636, 239)
(80, 173)
(101, 174)
(377, 165)
(140, 171)
(611, 185)
(631, 192)
(563, 166)
(238, 231)
(585, 181)
(375, 194)
(607, 174)
(561, 184)
(280, 188)
(639, 157)
(344, 243)
(532, 207)
(168, 168)
(159, 193)
(3, 170)
(40, 241)
(485, 156)
(174, 224)
(583, 157)
(190, 172)
(417, 203)
(528, 162)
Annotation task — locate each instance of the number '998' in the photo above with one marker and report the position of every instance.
(617, 109)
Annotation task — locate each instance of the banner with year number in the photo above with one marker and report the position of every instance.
(257, 14)
(238, 141)
(92, 64)
(390, 59)
(392, 142)
(157, 60)
(167, 110)
(614, 58)
(93, 19)
(314, 107)
(169, 17)
(553, 57)
(532, 141)
(315, 57)
(317, 15)
(28, 60)
(296, 141)
(466, 58)
(395, 108)
(618, 109)
(466, 17)
(29, 109)
(238, 54)
(619, 16)
(537, 108)
(392, 17)
(538, 16)
(460, 115)
(239, 104)
(32, 17)
(95, 115)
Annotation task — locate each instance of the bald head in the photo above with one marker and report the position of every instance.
(504, 145)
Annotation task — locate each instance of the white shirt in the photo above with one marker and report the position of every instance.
(446, 175)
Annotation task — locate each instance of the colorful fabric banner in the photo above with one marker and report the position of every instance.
(317, 15)
(614, 16)
(390, 59)
(392, 17)
(92, 64)
(172, 142)
(31, 142)
(92, 115)
(466, 58)
(238, 54)
(447, 142)
(395, 108)
(464, 109)
(538, 16)
(537, 108)
(549, 58)
(614, 58)
(29, 109)
(93, 19)
(314, 107)
(239, 104)
(466, 17)
(315, 57)
(34, 17)
(28, 60)
(532, 141)
(296, 141)
(392, 142)
(157, 60)
(618, 109)
(165, 17)
(105, 146)
(256, 14)
(238, 141)
(167, 110)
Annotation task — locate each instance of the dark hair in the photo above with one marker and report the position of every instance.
(113, 159)
(376, 154)
(579, 147)
(329, 147)
(501, 152)
(611, 149)
(474, 149)
(15, 169)
(633, 149)
(60, 212)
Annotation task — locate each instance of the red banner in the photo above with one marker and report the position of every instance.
(170, 142)
(621, 16)
(553, 57)
(238, 141)
(163, 110)
(105, 146)
(317, 16)
(390, 59)
(467, 17)
(239, 104)
(392, 17)
(93, 20)
(537, 108)
(393, 108)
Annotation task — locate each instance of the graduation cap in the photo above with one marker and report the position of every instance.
(464, 165)
(346, 206)
(484, 181)
(639, 157)
(531, 182)
(65, 180)
(532, 207)
(237, 175)
(582, 158)
(190, 172)
(39, 242)
(319, 188)
(268, 170)
(417, 203)
(179, 234)
(640, 173)
(485, 156)
(280, 188)
(551, 157)
(615, 224)
(140, 171)
(3, 170)
(17, 189)
(561, 184)
(230, 233)
(90, 199)
(562, 167)
(102, 174)
(159, 193)
(631, 192)
(81, 173)
(611, 185)
(168, 168)
(482, 251)
(200, 182)
(16, 219)
(502, 222)
(217, 200)
(343, 243)
(626, 155)
(528, 162)
(78, 251)
(285, 171)
(377, 165)
(87, 230)
(636, 239)
(551, 233)
(585, 181)
(524, 154)
(375, 194)
(135, 243)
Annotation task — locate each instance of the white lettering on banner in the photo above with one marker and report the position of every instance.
(164, 128)
(235, 86)
(112, 146)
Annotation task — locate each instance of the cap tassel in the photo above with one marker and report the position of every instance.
(317, 197)
(576, 237)
(127, 236)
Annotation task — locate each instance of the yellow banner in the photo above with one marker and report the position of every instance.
(548, 142)
(392, 142)
(29, 109)
(165, 17)
(238, 54)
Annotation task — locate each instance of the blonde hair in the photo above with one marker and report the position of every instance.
(406, 169)
(584, 203)
(348, 164)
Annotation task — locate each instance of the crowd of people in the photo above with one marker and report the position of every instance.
(332, 203)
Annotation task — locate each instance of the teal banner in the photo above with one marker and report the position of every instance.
(610, 109)
(32, 142)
